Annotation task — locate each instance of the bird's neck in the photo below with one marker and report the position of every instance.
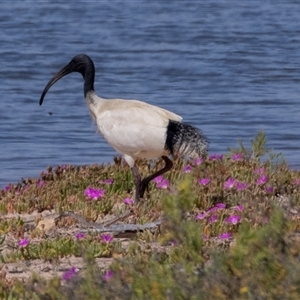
(88, 74)
(89, 78)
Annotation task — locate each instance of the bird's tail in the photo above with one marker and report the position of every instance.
(185, 140)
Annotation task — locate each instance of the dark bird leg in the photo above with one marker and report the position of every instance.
(137, 183)
(142, 185)
(146, 180)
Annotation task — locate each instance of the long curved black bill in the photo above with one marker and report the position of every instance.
(63, 72)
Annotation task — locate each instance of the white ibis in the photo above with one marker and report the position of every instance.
(134, 128)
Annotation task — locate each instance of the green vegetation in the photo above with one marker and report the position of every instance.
(229, 230)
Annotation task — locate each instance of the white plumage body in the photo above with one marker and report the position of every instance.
(133, 128)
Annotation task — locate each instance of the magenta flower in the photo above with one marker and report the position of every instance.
(108, 275)
(240, 186)
(225, 236)
(93, 194)
(7, 188)
(201, 216)
(204, 181)
(128, 201)
(40, 183)
(260, 171)
(213, 219)
(80, 235)
(240, 207)
(220, 205)
(296, 181)
(233, 220)
(106, 238)
(108, 181)
(23, 243)
(215, 157)
(262, 180)
(69, 274)
(213, 209)
(269, 189)
(229, 183)
(187, 169)
(198, 161)
(163, 184)
(237, 157)
(158, 179)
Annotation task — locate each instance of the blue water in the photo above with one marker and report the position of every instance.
(230, 68)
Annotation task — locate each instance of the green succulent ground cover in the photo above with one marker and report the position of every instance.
(229, 230)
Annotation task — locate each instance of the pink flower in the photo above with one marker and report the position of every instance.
(237, 157)
(187, 169)
(23, 243)
(108, 275)
(198, 161)
(158, 179)
(40, 183)
(106, 238)
(229, 183)
(163, 184)
(269, 189)
(262, 180)
(220, 205)
(233, 220)
(69, 274)
(201, 216)
(240, 186)
(225, 236)
(204, 181)
(260, 171)
(7, 188)
(213, 209)
(240, 207)
(93, 194)
(215, 157)
(108, 181)
(80, 235)
(128, 201)
(296, 181)
(213, 219)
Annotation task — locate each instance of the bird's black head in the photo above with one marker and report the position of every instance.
(80, 63)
